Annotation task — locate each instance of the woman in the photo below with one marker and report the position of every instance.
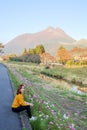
(19, 104)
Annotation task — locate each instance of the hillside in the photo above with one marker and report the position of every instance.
(51, 38)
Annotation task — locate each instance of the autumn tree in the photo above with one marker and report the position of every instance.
(63, 55)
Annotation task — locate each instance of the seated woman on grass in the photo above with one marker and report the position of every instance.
(19, 104)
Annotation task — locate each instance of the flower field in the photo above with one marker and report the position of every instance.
(55, 107)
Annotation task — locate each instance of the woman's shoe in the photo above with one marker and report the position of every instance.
(33, 118)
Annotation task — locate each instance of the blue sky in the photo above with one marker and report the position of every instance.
(30, 16)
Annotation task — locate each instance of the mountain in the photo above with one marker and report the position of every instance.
(51, 38)
(81, 43)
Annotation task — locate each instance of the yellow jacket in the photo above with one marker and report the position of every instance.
(18, 101)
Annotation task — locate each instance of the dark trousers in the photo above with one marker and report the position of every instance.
(22, 108)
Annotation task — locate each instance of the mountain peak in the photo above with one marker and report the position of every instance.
(50, 29)
(57, 30)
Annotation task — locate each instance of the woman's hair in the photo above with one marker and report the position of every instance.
(19, 89)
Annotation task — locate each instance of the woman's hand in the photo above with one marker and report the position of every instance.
(30, 104)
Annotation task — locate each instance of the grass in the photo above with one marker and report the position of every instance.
(24, 129)
(51, 102)
(14, 79)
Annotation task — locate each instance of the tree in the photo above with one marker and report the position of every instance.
(39, 49)
(1, 48)
(25, 51)
(63, 55)
(31, 51)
